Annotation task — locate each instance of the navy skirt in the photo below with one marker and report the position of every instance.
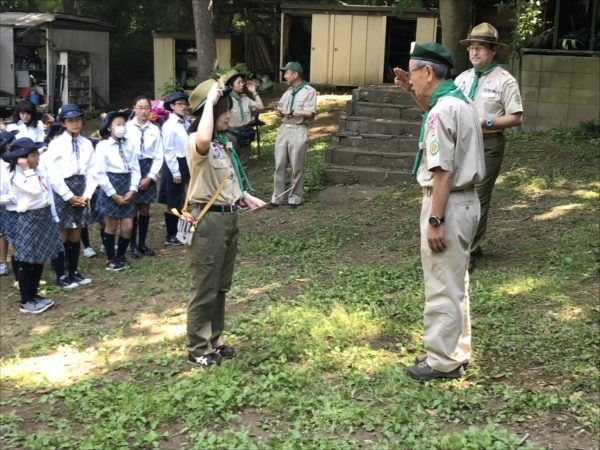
(10, 229)
(149, 195)
(2, 219)
(73, 216)
(107, 206)
(39, 238)
(172, 194)
(96, 216)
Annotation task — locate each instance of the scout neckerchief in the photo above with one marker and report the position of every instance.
(238, 99)
(125, 163)
(235, 160)
(478, 73)
(294, 92)
(446, 89)
(142, 131)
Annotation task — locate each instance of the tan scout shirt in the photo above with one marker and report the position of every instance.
(497, 93)
(452, 141)
(206, 173)
(305, 100)
(248, 106)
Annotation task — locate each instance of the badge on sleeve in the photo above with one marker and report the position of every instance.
(434, 148)
(517, 99)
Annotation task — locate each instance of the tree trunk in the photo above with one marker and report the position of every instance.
(205, 39)
(69, 7)
(455, 17)
(32, 6)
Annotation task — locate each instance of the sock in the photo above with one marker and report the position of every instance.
(37, 271)
(133, 238)
(167, 224)
(109, 246)
(102, 235)
(73, 256)
(122, 248)
(15, 267)
(172, 225)
(85, 237)
(144, 223)
(58, 264)
(25, 281)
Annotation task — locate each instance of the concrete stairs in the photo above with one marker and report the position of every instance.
(377, 138)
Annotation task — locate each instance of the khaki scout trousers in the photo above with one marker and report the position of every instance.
(211, 257)
(243, 151)
(291, 147)
(447, 323)
(493, 149)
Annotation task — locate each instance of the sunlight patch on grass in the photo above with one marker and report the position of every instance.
(569, 312)
(521, 286)
(558, 211)
(586, 195)
(39, 330)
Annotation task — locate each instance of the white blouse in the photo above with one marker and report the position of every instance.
(32, 190)
(36, 134)
(110, 160)
(174, 136)
(153, 144)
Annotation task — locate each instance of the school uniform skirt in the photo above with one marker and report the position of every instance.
(96, 215)
(10, 227)
(70, 216)
(172, 194)
(149, 195)
(107, 206)
(2, 219)
(39, 238)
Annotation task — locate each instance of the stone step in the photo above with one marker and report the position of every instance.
(364, 175)
(383, 94)
(375, 142)
(383, 111)
(370, 125)
(365, 158)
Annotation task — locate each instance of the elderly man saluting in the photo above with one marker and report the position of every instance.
(448, 165)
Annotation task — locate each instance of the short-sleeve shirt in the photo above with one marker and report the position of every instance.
(452, 141)
(305, 100)
(497, 93)
(207, 172)
(248, 106)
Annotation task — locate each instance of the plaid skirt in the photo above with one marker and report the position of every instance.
(73, 216)
(10, 227)
(2, 219)
(107, 206)
(96, 216)
(149, 195)
(39, 238)
(172, 194)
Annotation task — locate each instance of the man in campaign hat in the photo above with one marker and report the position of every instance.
(448, 165)
(296, 109)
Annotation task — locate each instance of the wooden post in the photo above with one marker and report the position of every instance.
(556, 14)
(594, 20)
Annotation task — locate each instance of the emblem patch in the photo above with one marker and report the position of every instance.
(434, 148)
(517, 99)
(216, 150)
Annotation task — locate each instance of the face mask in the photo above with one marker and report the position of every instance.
(119, 132)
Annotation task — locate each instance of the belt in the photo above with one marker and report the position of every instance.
(428, 191)
(220, 208)
(293, 125)
(492, 135)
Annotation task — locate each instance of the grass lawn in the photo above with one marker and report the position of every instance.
(325, 313)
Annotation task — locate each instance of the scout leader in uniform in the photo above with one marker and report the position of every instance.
(297, 108)
(496, 95)
(216, 186)
(448, 165)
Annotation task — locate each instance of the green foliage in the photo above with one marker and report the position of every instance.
(240, 67)
(402, 5)
(170, 86)
(527, 21)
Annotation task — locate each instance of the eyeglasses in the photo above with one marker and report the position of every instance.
(476, 48)
(410, 72)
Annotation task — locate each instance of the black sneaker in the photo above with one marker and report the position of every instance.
(207, 360)
(293, 205)
(272, 205)
(123, 260)
(135, 252)
(225, 351)
(76, 277)
(65, 282)
(422, 358)
(175, 242)
(425, 372)
(114, 265)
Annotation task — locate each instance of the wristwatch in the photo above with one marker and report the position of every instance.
(488, 122)
(435, 221)
(292, 113)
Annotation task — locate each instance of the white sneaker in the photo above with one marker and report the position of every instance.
(3, 269)
(89, 252)
(103, 249)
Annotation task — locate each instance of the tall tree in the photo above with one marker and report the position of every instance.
(205, 38)
(455, 17)
(69, 7)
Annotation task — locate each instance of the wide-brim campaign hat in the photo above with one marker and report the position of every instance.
(173, 97)
(69, 111)
(21, 148)
(484, 33)
(6, 137)
(198, 96)
(232, 74)
(108, 120)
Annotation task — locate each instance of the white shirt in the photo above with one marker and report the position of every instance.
(175, 134)
(153, 144)
(109, 159)
(36, 134)
(32, 190)
(61, 161)
(7, 194)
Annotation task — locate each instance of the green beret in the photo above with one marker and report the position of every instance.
(432, 52)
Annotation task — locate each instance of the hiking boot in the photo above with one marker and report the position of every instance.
(425, 372)
(422, 358)
(207, 360)
(34, 307)
(76, 277)
(225, 351)
(65, 282)
(114, 265)
(272, 205)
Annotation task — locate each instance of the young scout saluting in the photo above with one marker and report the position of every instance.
(296, 109)
(449, 163)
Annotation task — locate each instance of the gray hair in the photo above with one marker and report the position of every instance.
(440, 70)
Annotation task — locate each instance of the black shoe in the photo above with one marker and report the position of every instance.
(135, 253)
(168, 240)
(66, 283)
(425, 372)
(272, 206)
(175, 242)
(293, 205)
(146, 251)
(114, 265)
(210, 359)
(225, 351)
(76, 277)
(123, 261)
(422, 358)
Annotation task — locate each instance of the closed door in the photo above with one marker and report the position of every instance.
(7, 60)
(342, 44)
(319, 49)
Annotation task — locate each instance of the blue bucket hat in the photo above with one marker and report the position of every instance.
(173, 97)
(69, 111)
(108, 120)
(52, 132)
(6, 137)
(21, 148)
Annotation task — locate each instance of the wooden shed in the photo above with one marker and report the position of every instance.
(352, 45)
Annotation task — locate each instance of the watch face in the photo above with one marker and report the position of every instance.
(433, 221)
